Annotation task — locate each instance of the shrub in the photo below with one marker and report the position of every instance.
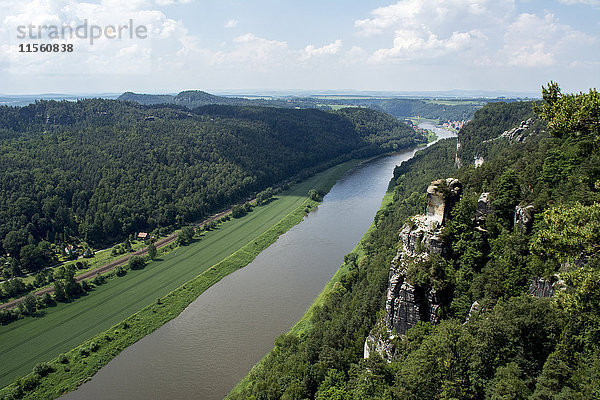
(136, 262)
(42, 369)
(120, 271)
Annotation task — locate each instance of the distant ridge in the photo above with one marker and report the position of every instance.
(187, 98)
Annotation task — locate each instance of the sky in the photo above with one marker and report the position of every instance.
(312, 45)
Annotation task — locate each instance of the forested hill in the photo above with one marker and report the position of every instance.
(98, 170)
(198, 98)
(500, 301)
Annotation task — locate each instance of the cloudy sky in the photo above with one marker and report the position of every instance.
(228, 45)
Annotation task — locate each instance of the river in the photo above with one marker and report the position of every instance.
(213, 343)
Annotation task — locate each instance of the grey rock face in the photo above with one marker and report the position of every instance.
(475, 308)
(518, 134)
(442, 195)
(378, 343)
(541, 287)
(407, 304)
(457, 160)
(484, 208)
(524, 217)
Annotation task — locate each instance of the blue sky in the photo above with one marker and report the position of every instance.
(220, 46)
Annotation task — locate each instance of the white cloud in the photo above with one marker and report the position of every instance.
(171, 2)
(439, 14)
(533, 41)
(413, 45)
(586, 2)
(250, 50)
(232, 23)
(332, 48)
(427, 29)
(128, 55)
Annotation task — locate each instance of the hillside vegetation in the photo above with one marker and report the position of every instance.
(516, 345)
(100, 170)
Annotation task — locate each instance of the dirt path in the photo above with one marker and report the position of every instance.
(112, 265)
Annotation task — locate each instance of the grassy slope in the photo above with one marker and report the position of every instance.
(305, 323)
(32, 340)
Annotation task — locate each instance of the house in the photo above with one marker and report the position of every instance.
(142, 235)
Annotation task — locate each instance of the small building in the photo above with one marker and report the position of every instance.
(142, 235)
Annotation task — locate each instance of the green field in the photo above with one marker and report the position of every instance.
(31, 340)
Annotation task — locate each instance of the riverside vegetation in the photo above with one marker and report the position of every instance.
(513, 345)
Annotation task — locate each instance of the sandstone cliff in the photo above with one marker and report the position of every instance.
(408, 303)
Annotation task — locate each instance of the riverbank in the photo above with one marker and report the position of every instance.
(84, 362)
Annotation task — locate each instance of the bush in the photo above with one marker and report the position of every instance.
(136, 262)
(186, 235)
(42, 369)
(120, 271)
(238, 211)
(62, 358)
(30, 382)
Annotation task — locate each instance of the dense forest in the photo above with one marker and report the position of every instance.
(515, 344)
(99, 170)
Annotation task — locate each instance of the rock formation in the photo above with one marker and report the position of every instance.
(524, 217)
(520, 133)
(484, 208)
(545, 287)
(406, 303)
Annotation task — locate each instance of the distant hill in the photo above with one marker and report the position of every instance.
(191, 99)
(147, 99)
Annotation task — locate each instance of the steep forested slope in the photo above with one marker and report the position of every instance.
(97, 170)
(512, 293)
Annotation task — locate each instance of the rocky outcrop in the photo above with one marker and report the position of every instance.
(518, 134)
(475, 309)
(441, 197)
(484, 208)
(457, 160)
(478, 161)
(381, 341)
(524, 217)
(545, 287)
(407, 303)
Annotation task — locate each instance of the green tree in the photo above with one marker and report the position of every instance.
(570, 114)
(506, 197)
(29, 304)
(186, 235)
(152, 251)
